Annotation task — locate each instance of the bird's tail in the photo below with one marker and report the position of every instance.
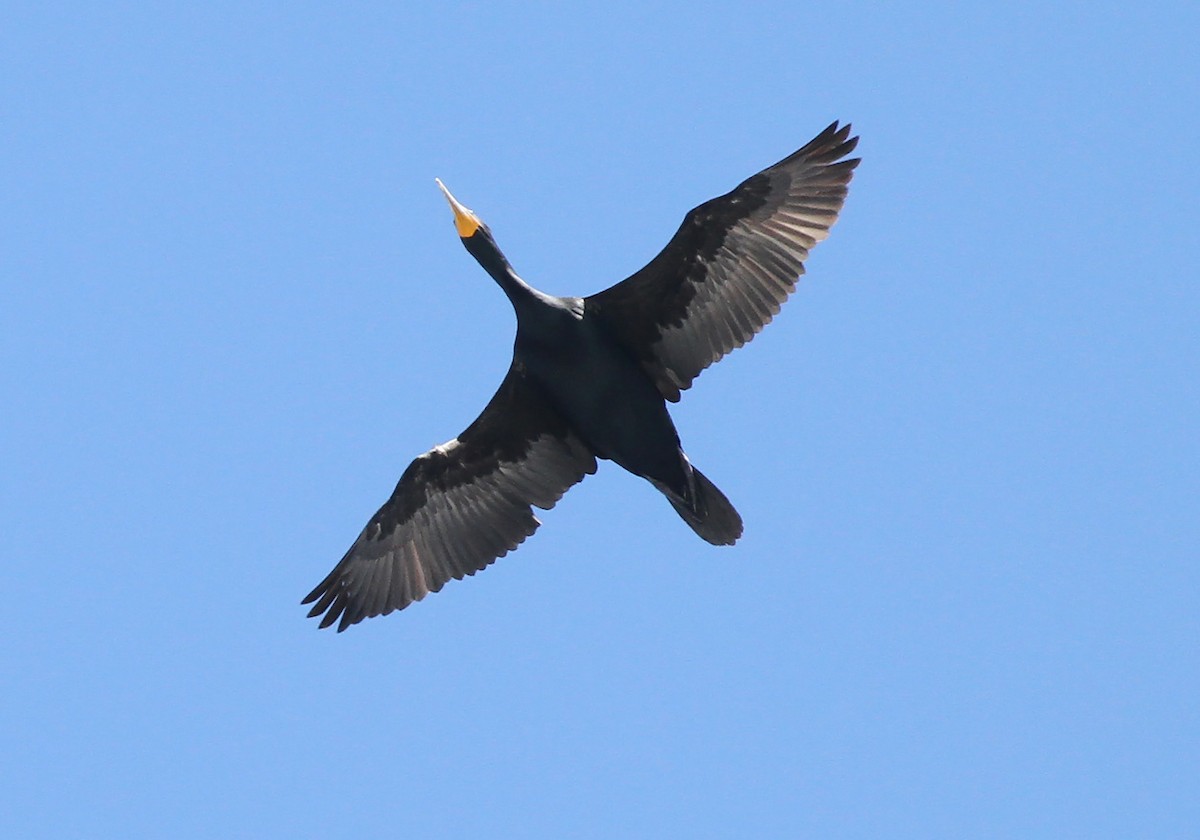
(710, 515)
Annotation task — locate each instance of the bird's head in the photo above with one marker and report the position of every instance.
(465, 220)
(477, 238)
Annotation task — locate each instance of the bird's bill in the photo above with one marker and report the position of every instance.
(465, 221)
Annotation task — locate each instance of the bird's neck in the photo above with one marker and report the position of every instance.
(529, 304)
(512, 284)
(496, 264)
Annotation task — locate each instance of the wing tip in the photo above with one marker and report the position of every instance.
(828, 147)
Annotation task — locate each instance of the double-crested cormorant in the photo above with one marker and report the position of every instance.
(589, 379)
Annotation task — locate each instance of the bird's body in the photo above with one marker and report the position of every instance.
(603, 393)
(590, 378)
(596, 385)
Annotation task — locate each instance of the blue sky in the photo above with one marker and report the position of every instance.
(234, 307)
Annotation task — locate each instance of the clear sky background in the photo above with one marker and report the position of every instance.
(234, 307)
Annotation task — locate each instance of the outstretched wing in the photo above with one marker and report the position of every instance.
(730, 266)
(458, 507)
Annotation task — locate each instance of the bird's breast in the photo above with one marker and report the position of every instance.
(604, 394)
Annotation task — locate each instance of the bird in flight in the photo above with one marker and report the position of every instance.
(590, 379)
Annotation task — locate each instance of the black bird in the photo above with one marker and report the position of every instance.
(589, 379)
